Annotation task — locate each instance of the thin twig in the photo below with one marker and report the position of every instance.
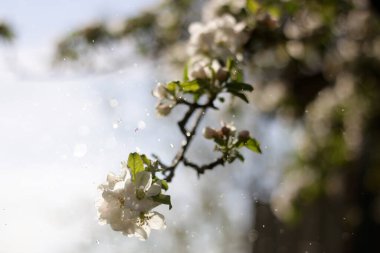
(201, 169)
(169, 170)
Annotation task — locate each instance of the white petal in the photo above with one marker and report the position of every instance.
(143, 205)
(144, 179)
(157, 221)
(129, 188)
(154, 190)
(142, 232)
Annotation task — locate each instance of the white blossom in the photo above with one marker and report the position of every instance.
(140, 192)
(203, 68)
(213, 8)
(126, 205)
(221, 37)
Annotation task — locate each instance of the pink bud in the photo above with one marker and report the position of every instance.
(222, 75)
(163, 109)
(209, 133)
(243, 135)
(226, 131)
(199, 73)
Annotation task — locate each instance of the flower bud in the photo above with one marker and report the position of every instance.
(199, 73)
(222, 75)
(226, 131)
(243, 135)
(160, 91)
(218, 135)
(163, 109)
(209, 133)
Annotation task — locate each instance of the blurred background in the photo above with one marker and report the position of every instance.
(75, 85)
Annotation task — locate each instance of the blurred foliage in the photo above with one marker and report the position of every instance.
(315, 63)
(154, 30)
(6, 32)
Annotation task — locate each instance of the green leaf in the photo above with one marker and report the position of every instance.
(186, 73)
(238, 86)
(253, 145)
(135, 164)
(164, 185)
(191, 86)
(238, 94)
(253, 6)
(163, 199)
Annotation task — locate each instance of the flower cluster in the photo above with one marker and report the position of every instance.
(228, 141)
(167, 99)
(214, 8)
(214, 52)
(219, 38)
(204, 68)
(128, 199)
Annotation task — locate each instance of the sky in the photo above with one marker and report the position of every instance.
(61, 134)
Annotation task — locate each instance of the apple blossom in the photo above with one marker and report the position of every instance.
(221, 37)
(127, 205)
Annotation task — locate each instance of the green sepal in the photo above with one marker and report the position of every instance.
(146, 160)
(164, 185)
(163, 199)
(191, 86)
(172, 86)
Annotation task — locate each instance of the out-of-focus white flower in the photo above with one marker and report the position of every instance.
(213, 8)
(198, 72)
(127, 205)
(282, 199)
(203, 68)
(220, 38)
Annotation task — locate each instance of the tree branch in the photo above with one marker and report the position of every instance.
(169, 170)
(201, 169)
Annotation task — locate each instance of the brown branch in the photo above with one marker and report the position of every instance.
(201, 169)
(169, 170)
